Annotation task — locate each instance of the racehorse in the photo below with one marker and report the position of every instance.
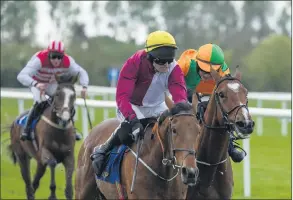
(226, 112)
(54, 140)
(167, 149)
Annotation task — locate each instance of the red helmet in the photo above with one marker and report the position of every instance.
(56, 46)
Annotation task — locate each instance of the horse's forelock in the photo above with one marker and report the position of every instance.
(67, 85)
(180, 107)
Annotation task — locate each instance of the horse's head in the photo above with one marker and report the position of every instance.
(64, 98)
(177, 133)
(230, 96)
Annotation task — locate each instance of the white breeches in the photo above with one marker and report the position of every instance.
(144, 112)
(50, 90)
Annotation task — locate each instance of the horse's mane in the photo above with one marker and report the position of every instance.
(179, 107)
(67, 85)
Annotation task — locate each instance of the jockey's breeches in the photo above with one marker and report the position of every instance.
(50, 90)
(144, 112)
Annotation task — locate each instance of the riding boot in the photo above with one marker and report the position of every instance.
(78, 136)
(235, 152)
(99, 155)
(26, 134)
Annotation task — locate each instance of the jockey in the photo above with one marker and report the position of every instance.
(39, 73)
(143, 79)
(196, 68)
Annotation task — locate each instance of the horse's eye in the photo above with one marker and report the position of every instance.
(221, 94)
(174, 131)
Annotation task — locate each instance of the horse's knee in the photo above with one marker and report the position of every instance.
(52, 163)
(52, 186)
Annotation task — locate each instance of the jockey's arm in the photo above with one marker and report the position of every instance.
(26, 74)
(176, 85)
(125, 87)
(74, 69)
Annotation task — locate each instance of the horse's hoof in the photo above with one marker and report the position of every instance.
(52, 198)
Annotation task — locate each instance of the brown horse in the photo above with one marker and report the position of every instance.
(166, 150)
(54, 141)
(227, 111)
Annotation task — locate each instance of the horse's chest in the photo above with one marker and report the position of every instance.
(57, 147)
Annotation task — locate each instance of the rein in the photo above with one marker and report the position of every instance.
(228, 126)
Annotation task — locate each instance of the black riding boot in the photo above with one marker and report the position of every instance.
(78, 136)
(98, 157)
(26, 134)
(236, 155)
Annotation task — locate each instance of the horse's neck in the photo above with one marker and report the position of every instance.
(213, 145)
(48, 112)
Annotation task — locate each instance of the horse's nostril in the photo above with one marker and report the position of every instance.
(184, 170)
(251, 124)
(240, 124)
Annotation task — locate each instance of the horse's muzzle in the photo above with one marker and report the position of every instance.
(245, 127)
(189, 175)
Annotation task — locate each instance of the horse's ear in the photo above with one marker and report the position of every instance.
(57, 78)
(238, 74)
(168, 102)
(215, 74)
(194, 102)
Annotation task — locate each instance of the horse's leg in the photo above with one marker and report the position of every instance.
(41, 169)
(48, 158)
(69, 168)
(24, 163)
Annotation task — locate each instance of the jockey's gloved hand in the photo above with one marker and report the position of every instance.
(189, 95)
(137, 128)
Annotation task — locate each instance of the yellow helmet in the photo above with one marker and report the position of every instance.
(159, 39)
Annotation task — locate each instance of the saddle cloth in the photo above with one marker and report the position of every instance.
(22, 120)
(111, 171)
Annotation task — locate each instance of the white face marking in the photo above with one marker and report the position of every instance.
(244, 112)
(67, 94)
(234, 86)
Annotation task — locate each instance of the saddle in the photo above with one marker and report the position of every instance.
(111, 173)
(21, 120)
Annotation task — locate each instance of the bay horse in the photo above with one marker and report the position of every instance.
(54, 140)
(226, 112)
(167, 149)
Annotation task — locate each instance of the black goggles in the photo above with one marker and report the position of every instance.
(163, 61)
(55, 55)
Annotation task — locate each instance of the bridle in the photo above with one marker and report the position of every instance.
(169, 161)
(51, 102)
(172, 161)
(228, 126)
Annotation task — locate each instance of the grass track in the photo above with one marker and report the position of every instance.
(270, 161)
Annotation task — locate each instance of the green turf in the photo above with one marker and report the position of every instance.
(270, 161)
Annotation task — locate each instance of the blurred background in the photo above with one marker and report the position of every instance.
(100, 36)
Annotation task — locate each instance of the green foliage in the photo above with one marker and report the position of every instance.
(18, 20)
(101, 53)
(268, 66)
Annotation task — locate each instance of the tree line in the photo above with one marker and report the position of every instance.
(263, 53)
